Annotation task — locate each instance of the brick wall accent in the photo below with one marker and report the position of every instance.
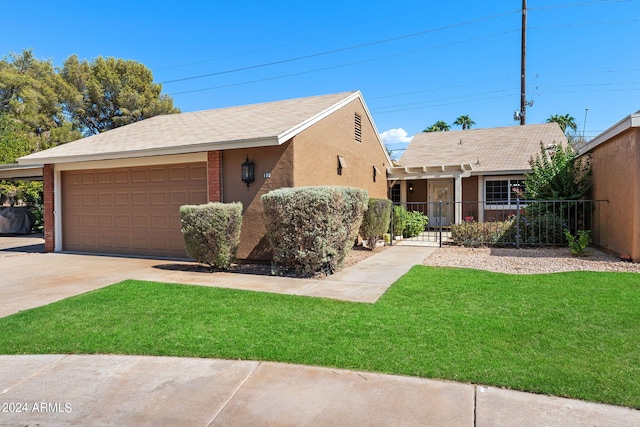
(214, 176)
(49, 218)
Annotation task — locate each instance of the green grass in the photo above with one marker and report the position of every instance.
(568, 334)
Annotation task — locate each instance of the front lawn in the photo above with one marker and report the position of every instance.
(566, 334)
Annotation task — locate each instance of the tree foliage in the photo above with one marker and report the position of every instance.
(565, 122)
(558, 174)
(438, 126)
(42, 106)
(464, 121)
(111, 93)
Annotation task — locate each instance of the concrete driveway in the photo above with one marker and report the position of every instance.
(31, 278)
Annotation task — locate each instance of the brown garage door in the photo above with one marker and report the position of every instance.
(133, 211)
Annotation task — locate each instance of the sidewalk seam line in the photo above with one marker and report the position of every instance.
(36, 373)
(475, 404)
(236, 391)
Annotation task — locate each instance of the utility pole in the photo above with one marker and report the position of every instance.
(523, 63)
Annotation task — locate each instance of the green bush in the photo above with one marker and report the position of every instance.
(578, 243)
(400, 218)
(375, 221)
(416, 223)
(474, 234)
(312, 229)
(212, 232)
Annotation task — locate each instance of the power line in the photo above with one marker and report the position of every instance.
(586, 3)
(341, 65)
(343, 49)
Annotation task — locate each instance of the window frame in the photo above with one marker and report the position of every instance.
(511, 201)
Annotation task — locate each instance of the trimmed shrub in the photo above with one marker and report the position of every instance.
(375, 221)
(212, 232)
(475, 234)
(416, 223)
(400, 218)
(312, 229)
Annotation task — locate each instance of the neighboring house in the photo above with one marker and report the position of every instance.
(468, 167)
(615, 167)
(119, 192)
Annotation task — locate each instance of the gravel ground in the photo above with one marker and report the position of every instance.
(527, 261)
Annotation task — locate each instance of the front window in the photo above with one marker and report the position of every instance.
(503, 191)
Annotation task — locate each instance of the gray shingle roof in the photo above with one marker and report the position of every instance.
(498, 150)
(269, 123)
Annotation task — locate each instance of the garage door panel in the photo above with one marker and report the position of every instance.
(139, 199)
(88, 178)
(104, 178)
(130, 210)
(177, 174)
(121, 177)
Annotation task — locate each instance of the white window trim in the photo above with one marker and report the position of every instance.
(509, 178)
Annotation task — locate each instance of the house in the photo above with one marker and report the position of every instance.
(119, 192)
(615, 168)
(465, 168)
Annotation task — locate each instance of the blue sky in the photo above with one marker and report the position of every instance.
(416, 62)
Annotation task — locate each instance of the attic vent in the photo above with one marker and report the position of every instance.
(357, 121)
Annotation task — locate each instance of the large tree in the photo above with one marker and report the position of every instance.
(438, 126)
(565, 122)
(42, 106)
(111, 93)
(464, 121)
(32, 97)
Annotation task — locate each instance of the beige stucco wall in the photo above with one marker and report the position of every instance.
(316, 150)
(616, 178)
(278, 161)
(310, 158)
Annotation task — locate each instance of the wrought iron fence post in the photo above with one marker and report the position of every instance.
(518, 222)
(440, 221)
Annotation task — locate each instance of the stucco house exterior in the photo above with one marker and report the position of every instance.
(615, 168)
(475, 168)
(119, 192)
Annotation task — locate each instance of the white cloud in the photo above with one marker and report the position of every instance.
(395, 136)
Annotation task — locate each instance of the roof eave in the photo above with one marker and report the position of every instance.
(631, 121)
(150, 152)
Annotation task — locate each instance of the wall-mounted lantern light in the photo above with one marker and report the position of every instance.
(248, 172)
(411, 187)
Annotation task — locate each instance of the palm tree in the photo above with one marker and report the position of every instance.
(438, 126)
(565, 122)
(464, 121)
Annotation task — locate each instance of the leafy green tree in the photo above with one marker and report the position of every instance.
(32, 94)
(558, 174)
(464, 121)
(111, 93)
(438, 126)
(565, 122)
(14, 142)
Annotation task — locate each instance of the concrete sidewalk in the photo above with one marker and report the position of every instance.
(102, 390)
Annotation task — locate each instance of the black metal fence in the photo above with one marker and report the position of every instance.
(519, 223)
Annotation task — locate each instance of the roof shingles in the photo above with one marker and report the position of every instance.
(486, 150)
(197, 131)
